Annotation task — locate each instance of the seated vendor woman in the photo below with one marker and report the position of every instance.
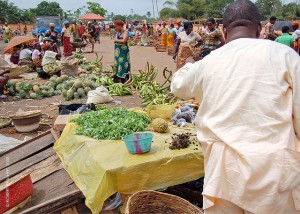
(3, 80)
(50, 64)
(25, 56)
(15, 55)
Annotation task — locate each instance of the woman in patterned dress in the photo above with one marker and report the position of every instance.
(66, 39)
(122, 55)
(212, 38)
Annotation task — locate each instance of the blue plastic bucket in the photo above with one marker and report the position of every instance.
(138, 143)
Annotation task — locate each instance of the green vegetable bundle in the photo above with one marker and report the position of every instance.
(119, 89)
(111, 124)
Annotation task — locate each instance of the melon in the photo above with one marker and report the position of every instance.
(160, 125)
(36, 88)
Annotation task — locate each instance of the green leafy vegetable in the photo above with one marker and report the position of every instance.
(111, 124)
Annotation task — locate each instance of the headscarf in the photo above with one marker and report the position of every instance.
(51, 25)
(295, 24)
(45, 46)
(66, 22)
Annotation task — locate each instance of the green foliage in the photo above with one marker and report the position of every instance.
(48, 9)
(291, 11)
(269, 7)
(98, 124)
(119, 17)
(94, 7)
(9, 12)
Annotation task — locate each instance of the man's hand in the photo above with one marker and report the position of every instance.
(190, 60)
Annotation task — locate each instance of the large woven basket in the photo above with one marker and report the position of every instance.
(152, 202)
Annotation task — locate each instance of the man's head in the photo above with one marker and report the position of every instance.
(75, 23)
(52, 26)
(89, 23)
(285, 29)
(188, 27)
(241, 20)
(272, 19)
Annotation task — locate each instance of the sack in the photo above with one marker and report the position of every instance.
(98, 96)
(69, 66)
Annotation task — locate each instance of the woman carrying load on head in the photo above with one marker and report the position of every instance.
(66, 39)
(122, 55)
(186, 41)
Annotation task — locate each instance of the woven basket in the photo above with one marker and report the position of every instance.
(170, 51)
(152, 202)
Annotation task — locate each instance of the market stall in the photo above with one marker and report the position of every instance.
(101, 168)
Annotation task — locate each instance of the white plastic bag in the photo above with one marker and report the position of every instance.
(98, 96)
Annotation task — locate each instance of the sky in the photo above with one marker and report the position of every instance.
(122, 7)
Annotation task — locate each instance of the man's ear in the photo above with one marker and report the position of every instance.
(258, 31)
(225, 32)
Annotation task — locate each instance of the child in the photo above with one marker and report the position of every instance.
(37, 56)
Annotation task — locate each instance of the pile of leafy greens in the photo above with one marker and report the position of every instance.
(111, 124)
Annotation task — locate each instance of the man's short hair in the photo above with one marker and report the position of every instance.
(285, 29)
(241, 13)
(273, 18)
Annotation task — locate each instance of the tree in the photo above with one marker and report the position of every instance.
(168, 13)
(9, 12)
(48, 9)
(291, 11)
(119, 17)
(148, 14)
(94, 7)
(269, 7)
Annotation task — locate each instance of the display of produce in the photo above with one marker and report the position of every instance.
(111, 124)
(181, 141)
(105, 81)
(90, 67)
(184, 115)
(151, 91)
(69, 87)
(119, 89)
(76, 88)
(160, 125)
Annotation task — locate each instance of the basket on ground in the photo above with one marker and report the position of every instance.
(138, 143)
(156, 202)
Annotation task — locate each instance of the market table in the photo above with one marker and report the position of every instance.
(102, 168)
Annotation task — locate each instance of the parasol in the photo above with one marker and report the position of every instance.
(17, 41)
(92, 16)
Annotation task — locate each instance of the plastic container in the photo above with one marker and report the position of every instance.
(138, 143)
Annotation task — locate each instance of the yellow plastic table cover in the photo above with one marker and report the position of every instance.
(102, 168)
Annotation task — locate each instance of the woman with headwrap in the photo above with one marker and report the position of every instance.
(52, 33)
(186, 41)
(7, 33)
(66, 39)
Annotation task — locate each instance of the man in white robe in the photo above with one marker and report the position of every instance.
(249, 119)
